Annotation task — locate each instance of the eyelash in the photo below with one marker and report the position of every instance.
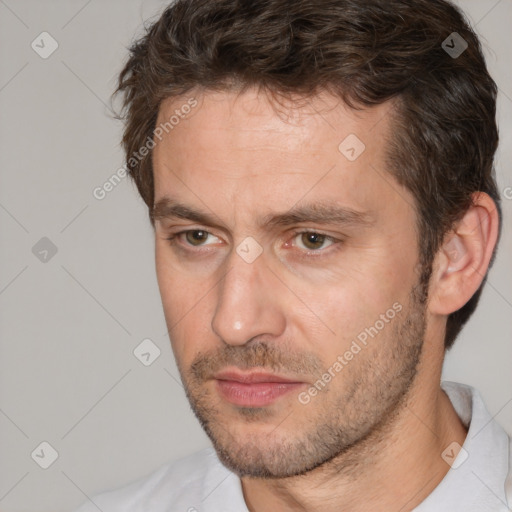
(312, 253)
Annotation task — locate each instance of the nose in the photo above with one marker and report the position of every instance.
(247, 302)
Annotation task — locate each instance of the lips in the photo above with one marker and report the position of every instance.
(252, 377)
(253, 389)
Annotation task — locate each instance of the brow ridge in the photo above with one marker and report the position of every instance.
(320, 213)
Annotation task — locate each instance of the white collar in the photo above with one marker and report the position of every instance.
(478, 484)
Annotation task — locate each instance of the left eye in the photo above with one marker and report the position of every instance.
(312, 241)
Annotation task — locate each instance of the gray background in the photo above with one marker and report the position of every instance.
(68, 375)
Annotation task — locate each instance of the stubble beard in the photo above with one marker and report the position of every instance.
(338, 428)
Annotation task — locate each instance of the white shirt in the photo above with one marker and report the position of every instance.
(200, 483)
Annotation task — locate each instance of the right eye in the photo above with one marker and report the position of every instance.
(193, 237)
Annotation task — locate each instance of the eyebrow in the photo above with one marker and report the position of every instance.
(320, 213)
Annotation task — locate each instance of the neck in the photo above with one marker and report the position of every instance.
(395, 468)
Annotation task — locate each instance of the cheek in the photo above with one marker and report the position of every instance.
(187, 309)
(336, 311)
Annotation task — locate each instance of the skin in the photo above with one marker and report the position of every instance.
(372, 438)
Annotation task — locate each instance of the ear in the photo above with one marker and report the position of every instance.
(463, 259)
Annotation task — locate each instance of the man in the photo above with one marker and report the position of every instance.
(319, 175)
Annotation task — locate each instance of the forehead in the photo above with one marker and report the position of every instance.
(251, 151)
(253, 116)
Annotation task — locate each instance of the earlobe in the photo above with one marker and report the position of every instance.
(463, 260)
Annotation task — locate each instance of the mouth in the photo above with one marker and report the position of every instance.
(253, 389)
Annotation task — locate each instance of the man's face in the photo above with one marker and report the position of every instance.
(303, 266)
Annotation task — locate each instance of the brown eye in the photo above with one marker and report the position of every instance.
(196, 237)
(313, 241)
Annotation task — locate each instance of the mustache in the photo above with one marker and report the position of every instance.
(261, 355)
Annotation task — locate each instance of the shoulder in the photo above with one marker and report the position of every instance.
(179, 483)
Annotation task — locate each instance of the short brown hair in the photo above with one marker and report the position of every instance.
(364, 52)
